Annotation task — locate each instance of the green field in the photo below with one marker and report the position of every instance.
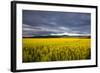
(55, 49)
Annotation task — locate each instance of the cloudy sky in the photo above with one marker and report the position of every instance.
(51, 23)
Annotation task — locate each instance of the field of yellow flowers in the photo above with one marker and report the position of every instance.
(55, 49)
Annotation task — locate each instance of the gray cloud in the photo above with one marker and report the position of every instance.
(47, 22)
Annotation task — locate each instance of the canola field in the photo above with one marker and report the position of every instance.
(55, 49)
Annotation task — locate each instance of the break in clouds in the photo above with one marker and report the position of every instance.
(52, 22)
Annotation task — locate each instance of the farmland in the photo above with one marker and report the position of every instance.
(55, 49)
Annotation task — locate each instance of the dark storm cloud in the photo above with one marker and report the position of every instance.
(47, 22)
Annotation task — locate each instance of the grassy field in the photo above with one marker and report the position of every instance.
(55, 49)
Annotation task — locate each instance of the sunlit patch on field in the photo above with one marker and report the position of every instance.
(55, 49)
